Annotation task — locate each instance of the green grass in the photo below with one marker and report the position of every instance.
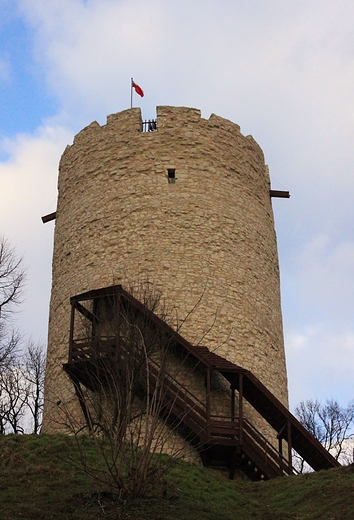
(39, 481)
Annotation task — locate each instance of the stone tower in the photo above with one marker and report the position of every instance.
(185, 208)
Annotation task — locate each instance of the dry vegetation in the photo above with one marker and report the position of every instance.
(41, 480)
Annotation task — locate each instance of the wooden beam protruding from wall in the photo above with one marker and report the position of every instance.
(280, 194)
(48, 218)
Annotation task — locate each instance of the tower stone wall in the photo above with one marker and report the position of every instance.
(206, 240)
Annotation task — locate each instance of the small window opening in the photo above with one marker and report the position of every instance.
(171, 174)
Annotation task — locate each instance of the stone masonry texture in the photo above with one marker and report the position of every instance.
(206, 241)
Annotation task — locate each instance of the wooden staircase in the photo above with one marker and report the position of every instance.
(230, 442)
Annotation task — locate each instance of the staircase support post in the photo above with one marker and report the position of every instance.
(80, 395)
(118, 316)
(290, 447)
(208, 414)
(232, 404)
(71, 337)
(240, 407)
(280, 447)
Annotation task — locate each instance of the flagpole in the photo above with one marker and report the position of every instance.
(131, 93)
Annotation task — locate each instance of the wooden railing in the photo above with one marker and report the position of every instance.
(86, 348)
(221, 430)
(263, 451)
(190, 411)
(236, 435)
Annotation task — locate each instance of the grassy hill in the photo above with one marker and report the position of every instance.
(39, 480)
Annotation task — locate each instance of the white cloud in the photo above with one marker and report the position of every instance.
(90, 51)
(325, 275)
(282, 70)
(229, 56)
(28, 173)
(28, 180)
(318, 312)
(320, 364)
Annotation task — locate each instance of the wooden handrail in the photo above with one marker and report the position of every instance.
(212, 428)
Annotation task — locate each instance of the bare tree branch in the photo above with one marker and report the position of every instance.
(9, 345)
(331, 424)
(12, 277)
(125, 399)
(13, 394)
(34, 371)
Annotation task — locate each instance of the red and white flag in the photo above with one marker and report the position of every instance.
(138, 89)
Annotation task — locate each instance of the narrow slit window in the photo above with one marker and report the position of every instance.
(171, 175)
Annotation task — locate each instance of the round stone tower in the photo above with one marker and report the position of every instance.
(186, 208)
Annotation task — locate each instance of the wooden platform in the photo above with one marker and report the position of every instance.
(231, 442)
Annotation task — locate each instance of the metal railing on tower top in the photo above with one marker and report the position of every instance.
(149, 126)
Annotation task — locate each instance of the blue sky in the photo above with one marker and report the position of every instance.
(24, 97)
(282, 69)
